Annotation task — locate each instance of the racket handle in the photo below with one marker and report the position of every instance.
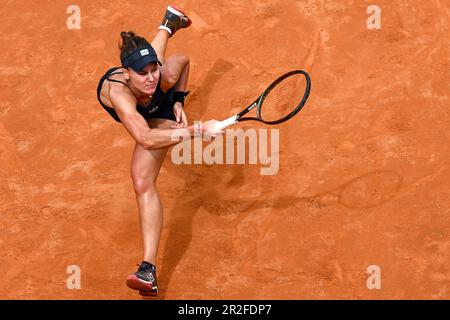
(226, 123)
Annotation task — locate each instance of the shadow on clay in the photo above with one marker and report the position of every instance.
(363, 192)
(180, 228)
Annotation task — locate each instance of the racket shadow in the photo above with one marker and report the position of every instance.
(370, 190)
(367, 191)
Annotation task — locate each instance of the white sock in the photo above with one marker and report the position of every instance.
(161, 27)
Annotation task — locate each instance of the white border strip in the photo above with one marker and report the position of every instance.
(174, 11)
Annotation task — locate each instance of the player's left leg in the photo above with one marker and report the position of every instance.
(145, 168)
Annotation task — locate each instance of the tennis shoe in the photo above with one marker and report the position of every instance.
(174, 19)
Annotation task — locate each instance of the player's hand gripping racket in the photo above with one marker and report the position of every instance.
(281, 101)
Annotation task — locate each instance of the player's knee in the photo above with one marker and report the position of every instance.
(143, 185)
(172, 77)
(181, 58)
(173, 71)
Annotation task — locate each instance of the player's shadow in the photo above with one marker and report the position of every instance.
(369, 190)
(365, 191)
(193, 191)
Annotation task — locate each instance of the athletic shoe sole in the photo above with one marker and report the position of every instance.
(175, 10)
(144, 287)
(148, 293)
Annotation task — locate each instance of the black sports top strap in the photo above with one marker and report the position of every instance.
(118, 81)
(112, 80)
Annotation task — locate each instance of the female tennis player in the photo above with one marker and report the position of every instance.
(146, 94)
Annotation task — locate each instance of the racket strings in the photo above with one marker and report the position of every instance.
(285, 94)
(283, 98)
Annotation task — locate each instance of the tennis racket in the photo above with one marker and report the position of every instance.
(281, 101)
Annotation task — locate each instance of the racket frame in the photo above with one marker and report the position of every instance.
(258, 103)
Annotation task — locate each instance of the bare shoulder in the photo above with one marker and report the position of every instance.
(121, 97)
(113, 88)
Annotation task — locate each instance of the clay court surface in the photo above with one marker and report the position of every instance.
(363, 179)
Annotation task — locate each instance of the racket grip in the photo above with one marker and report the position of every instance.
(226, 123)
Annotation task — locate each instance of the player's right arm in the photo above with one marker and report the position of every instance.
(138, 128)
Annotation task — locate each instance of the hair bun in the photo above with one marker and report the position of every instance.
(124, 34)
(127, 36)
(130, 42)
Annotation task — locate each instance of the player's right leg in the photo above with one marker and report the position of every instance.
(174, 19)
(172, 70)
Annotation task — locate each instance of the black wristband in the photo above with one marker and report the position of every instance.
(178, 96)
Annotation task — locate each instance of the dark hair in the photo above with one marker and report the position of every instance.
(131, 42)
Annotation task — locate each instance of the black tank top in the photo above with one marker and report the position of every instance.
(158, 101)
